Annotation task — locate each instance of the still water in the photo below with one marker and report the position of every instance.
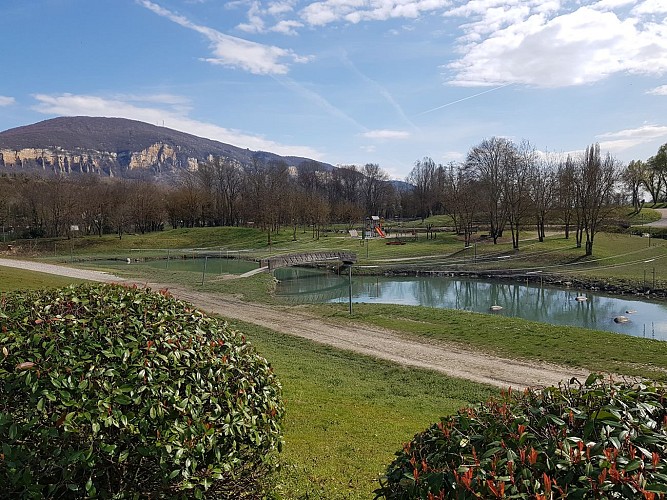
(533, 302)
(214, 265)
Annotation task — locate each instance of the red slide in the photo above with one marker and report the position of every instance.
(379, 231)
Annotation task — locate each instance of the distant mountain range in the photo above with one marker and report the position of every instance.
(118, 147)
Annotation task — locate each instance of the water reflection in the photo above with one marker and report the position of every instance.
(544, 304)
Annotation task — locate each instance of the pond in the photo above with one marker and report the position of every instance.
(533, 302)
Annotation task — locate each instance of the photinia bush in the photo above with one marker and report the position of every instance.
(115, 392)
(600, 439)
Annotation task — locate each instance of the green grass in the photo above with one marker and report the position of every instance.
(17, 279)
(515, 338)
(348, 414)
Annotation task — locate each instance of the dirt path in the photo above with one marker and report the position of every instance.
(449, 359)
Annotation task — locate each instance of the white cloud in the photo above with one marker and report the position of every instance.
(355, 11)
(87, 105)
(549, 48)
(234, 52)
(661, 90)
(386, 134)
(651, 7)
(287, 27)
(454, 156)
(6, 101)
(629, 138)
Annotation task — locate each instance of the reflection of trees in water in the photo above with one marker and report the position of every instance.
(543, 304)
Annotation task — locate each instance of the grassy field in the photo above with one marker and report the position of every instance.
(348, 414)
(13, 279)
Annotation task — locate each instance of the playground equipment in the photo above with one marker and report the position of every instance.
(376, 225)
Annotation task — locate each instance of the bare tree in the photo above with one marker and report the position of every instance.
(460, 200)
(566, 194)
(542, 191)
(520, 171)
(423, 178)
(634, 177)
(595, 183)
(489, 162)
(374, 188)
(656, 178)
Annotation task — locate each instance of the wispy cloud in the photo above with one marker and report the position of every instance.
(382, 91)
(463, 99)
(386, 134)
(6, 101)
(318, 100)
(661, 90)
(235, 52)
(629, 138)
(171, 117)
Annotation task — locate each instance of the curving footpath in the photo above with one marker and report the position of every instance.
(449, 359)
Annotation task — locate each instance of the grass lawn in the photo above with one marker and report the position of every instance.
(15, 279)
(516, 338)
(348, 414)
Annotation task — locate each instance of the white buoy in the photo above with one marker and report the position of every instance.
(128, 260)
(621, 319)
(496, 308)
(581, 298)
(630, 311)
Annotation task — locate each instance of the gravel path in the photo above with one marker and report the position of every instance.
(449, 359)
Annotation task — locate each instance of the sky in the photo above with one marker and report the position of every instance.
(349, 82)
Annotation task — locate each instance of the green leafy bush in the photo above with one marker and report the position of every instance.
(108, 391)
(600, 439)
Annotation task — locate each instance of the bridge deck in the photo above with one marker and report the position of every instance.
(297, 259)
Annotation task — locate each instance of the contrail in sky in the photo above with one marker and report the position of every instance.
(463, 99)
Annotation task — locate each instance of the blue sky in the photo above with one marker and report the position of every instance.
(349, 81)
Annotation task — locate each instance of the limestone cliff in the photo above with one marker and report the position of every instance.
(118, 147)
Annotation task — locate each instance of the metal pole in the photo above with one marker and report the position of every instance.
(654, 278)
(350, 288)
(644, 279)
(203, 274)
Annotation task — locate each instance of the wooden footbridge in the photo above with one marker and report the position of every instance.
(299, 259)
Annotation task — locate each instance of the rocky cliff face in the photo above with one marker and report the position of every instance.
(118, 147)
(157, 158)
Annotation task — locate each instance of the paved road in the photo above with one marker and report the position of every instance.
(450, 359)
(662, 222)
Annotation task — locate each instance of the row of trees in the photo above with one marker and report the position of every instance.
(649, 175)
(269, 196)
(500, 185)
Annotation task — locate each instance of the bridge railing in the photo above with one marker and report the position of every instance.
(297, 259)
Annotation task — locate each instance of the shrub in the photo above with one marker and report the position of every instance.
(594, 440)
(121, 392)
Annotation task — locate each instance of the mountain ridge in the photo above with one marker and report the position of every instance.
(119, 147)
